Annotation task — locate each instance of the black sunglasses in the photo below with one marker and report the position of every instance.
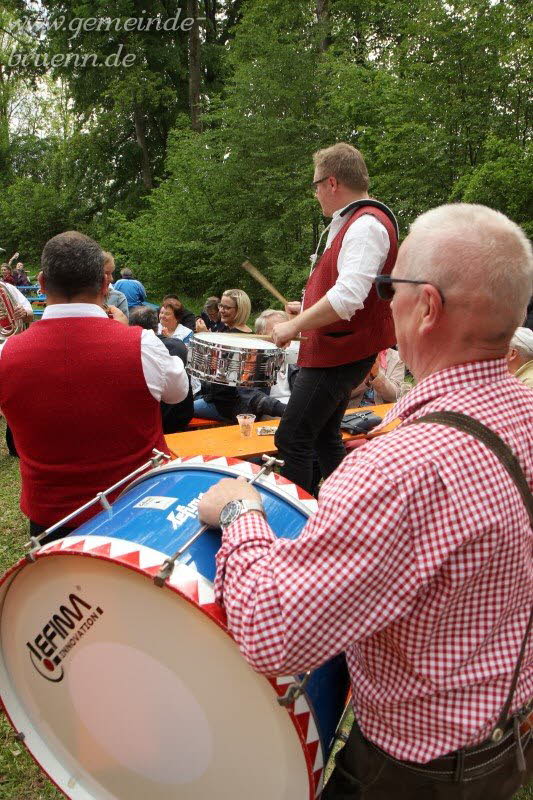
(385, 288)
(314, 184)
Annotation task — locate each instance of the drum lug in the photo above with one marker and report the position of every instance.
(294, 691)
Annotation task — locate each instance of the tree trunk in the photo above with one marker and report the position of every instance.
(140, 132)
(194, 66)
(322, 13)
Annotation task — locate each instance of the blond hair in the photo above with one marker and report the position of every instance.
(242, 301)
(345, 163)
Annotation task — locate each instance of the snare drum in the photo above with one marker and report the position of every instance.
(234, 360)
(126, 690)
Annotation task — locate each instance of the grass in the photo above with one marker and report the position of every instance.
(20, 778)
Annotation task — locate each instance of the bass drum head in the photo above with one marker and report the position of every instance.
(142, 696)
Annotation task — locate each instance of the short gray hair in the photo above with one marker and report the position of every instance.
(145, 317)
(72, 264)
(523, 342)
(467, 248)
(261, 321)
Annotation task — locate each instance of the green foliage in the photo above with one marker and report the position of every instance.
(433, 93)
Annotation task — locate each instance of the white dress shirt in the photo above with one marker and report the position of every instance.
(363, 253)
(164, 374)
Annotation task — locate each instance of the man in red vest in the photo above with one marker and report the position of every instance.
(81, 391)
(345, 325)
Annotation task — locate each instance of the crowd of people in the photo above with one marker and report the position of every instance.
(417, 564)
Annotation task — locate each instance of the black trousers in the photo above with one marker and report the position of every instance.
(363, 772)
(312, 419)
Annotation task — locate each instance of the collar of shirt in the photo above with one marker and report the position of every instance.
(445, 381)
(62, 310)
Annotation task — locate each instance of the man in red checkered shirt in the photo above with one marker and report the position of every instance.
(418, 562)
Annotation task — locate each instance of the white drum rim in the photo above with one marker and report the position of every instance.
(250, 342)
(100, 547)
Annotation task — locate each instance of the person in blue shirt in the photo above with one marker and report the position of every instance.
(133, 289)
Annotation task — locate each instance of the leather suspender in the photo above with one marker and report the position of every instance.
(491, 440)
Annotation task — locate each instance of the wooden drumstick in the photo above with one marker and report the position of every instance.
(260, 278)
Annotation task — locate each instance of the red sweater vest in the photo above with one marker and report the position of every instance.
(370, 329)
(75, 397)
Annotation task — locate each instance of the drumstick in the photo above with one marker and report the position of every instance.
(260, 278)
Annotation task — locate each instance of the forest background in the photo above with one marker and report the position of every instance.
(197, 153)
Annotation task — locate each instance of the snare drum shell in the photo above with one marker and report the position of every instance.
(234, 361)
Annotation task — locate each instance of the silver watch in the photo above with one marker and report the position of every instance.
(235, 508)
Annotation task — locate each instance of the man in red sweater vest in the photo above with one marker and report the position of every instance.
(81, 391)
(345, 325)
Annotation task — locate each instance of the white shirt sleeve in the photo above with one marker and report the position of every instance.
(363, 253)
(164, 374)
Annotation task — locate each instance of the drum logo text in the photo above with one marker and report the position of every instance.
(60, 634)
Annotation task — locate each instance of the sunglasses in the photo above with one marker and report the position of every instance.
(314, 184)
(385, 288)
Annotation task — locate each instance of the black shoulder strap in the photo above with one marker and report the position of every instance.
(373, 204)
(491, 440)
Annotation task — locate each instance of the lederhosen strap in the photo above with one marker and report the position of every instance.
(491, 440)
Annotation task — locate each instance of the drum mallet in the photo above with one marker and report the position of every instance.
(260, 278)
(168, 565)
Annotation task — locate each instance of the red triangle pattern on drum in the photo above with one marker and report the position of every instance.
(77, 547)
(303, 722)
(130, 558)
(317, 775)
(102, 550)
(312, 748)
(190, 589)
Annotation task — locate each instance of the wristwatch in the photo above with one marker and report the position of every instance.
(235, 508)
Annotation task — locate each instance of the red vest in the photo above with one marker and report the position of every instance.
(75, 397)
(370, 330)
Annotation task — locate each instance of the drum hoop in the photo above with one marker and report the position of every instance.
(303, 501)
(302, 714)
(259, 344)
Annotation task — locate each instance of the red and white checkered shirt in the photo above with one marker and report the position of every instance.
(418, 564)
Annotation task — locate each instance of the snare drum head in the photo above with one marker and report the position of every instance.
(245, 341)
(129, 691)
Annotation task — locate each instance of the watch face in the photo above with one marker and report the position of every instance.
(230, 512)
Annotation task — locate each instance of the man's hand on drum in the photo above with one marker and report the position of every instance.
(214, 500)
(200, 326)
(284, 332)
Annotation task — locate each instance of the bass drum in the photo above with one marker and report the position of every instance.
(121, 689)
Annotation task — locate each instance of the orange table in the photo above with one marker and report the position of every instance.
(227, 440)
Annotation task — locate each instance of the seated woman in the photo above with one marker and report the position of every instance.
(209, 319)
(217, 401)
(170, 315)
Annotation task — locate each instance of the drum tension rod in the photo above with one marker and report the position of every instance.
(294, 691)
(35, 541)
(169, 563)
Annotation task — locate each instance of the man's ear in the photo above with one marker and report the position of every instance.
(432, 307)
(512, 354)
(41, 281)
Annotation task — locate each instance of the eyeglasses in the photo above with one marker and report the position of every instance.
(226, 308)
(385, 288)
(314, 184)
